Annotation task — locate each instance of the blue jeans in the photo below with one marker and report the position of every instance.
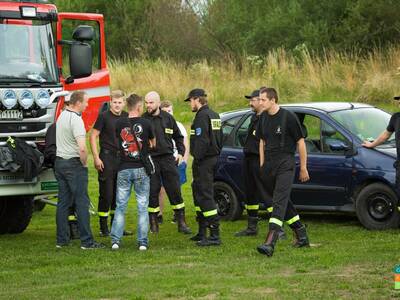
(141, 184)
(72, 179)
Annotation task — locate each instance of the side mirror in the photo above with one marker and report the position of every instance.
(80, 60)
(336, 145)
(83, 33)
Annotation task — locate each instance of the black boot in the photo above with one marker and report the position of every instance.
(125, 233)
(202, 228)
(282, 234)
(104, 226)
(153, 222)
(180, 218)
(74, 230)
(268, 247)
(251, 227)
(300, 237)
(213, 239)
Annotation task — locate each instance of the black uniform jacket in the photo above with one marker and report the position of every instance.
(205, 134)
(166, 130)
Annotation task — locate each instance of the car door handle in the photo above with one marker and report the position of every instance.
(231, 158)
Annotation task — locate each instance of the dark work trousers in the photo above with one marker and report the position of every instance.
(278, 173)
(108, 182)
(72, 178)
(203, 186)
(254, 186)
(166, 171)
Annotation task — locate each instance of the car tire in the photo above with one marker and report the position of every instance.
(38, 205)
(376, 207)
(228, 205)
(16, 214)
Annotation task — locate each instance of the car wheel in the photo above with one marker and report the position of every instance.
(228, 205)
(38, 205)
(376, 207)
(16, 213)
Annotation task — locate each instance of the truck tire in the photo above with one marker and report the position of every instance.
(3, 214)
(228, 205)
(376, 207)
(17, 214)
(38, 205)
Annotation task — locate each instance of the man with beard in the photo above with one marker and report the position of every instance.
(166, 165)
(205, 146)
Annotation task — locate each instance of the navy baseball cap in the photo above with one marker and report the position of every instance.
(196, 93)
(255, 93)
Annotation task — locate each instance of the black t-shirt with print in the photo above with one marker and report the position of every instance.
(394, 126)
(105, 123)
(133, 139)
(271, 130)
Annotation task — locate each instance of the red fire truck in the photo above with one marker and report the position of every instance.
(44, 54)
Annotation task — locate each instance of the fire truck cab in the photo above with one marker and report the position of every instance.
(44, 55)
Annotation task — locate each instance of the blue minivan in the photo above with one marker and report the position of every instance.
(344, 176)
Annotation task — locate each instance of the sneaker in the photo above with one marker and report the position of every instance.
(59, 246)
(142, 248)
(93, 245)
(115, 246)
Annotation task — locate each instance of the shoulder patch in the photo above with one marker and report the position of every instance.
(216, 124)
(198, 131)
(169, 130)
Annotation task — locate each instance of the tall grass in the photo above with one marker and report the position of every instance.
(298, 77)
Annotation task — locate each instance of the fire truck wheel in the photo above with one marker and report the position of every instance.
(15, 213)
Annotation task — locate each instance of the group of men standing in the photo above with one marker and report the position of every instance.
(144, 150)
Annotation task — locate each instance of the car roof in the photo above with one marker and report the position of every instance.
(321, 106)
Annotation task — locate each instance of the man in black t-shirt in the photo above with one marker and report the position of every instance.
(135, 136)
(393, 127)
(106, 163)
(280, 133)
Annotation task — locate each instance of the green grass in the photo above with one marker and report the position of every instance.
(346, 262)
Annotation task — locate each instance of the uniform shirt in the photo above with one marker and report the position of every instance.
(252, 143)
(70, 126)
(205, 134)
(133, 140)
(394, 126)
(105, 123)
(166, 131)
(273, 131)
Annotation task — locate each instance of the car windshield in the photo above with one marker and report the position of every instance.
(365, 123)
(27, 52)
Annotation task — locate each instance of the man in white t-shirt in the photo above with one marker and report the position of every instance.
(167, 106)
(72, 173)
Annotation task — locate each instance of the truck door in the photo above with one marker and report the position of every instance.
(97, 85)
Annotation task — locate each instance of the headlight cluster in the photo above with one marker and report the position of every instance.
(25, 98)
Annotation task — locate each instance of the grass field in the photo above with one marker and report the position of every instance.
(346, 262)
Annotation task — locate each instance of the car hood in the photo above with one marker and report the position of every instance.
(391, 151)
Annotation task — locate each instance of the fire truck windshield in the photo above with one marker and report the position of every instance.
(27, 53)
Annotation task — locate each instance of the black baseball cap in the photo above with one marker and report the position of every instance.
(396, 98)
(196, 93)
(255, 93)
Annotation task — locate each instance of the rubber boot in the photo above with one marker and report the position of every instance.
(202, 228)
(153, 223)
(74, 230)
(282, 234)
(251, 227)
(180, 218)
(213, 239)
(300, 237)
(104, 226)
(268, 247)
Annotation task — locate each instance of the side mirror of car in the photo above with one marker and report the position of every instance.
(336, 145)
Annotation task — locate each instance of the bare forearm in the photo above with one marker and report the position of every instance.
(261, 150)
(302, 154)
(93, 146)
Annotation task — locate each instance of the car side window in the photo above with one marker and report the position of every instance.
(227, 126)
(311, 127)
(332, 141)
(241, 133)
